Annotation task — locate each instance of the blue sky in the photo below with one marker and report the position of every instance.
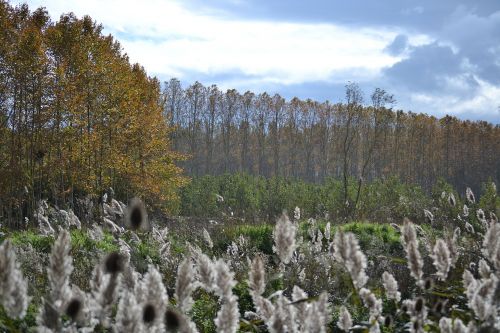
(437, 57)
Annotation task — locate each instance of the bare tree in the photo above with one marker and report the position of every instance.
(350, 114)
(195, 98)
(230, 105)
(211, 114)
(278, 118)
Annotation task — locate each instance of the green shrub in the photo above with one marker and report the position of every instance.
(204, 311)
(39, 242)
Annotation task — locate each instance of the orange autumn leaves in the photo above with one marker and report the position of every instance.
(76, 116)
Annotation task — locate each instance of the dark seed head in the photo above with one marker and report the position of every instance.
(416, 325)
(428, 284)
(113, 263)
(136, 215)
(388, 321)
(404, 308)
(438, 308)
(172, 320)
(419, 304)
(73, 309)
(148, 313)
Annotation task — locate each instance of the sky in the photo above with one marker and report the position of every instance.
(436, 57)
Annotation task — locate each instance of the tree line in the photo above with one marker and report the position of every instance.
(361, 138)
(76, 117)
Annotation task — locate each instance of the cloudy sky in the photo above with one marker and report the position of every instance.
(437, 57)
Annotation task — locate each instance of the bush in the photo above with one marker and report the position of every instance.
(255, 197)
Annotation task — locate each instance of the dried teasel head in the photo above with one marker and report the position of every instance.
(428, 284)
(136, 216)
(439, 308)
(114, 263)
(148, 313)
(74, 308)
(388, 321)
(419, 305)
(172, 320)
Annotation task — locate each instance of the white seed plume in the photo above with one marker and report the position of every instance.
(484, 269)
(296, 214)
(58, 274)
(483, 301)
(410, 243)
(466, 211)
(184, 285)
(452, 243)
(459, 326)
(152, 290)
(298, 297)
(346, 251)
(491, 244)
(104, 290)
(302, 275)
(13, 287)
(284, 239)
(224, 279)
(371, 302)
(278, 322)
(128, 314)
(451, 200)
(205, 270)
(207, 238)
(447, 325)
(428, 215)
(391, 287)
(318, 314)
(481, 216)
(328, 231)
(493, 217)
(469, 228)
(257, 276)
(264, 307)
(59, 271)
(470, 283)
(345, 321)
(228, 317)
(470, 196)
(442, 260)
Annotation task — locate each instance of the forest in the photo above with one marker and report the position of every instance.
(131, 205)
(304, 139)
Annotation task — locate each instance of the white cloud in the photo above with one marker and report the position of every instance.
(169, 40)
(484, 103)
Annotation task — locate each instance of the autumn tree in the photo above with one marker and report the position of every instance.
(76, 117)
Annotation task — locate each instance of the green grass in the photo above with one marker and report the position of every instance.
(259, 236)
(39, 242)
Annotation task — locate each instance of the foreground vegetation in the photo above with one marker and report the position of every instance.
(127, 273)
